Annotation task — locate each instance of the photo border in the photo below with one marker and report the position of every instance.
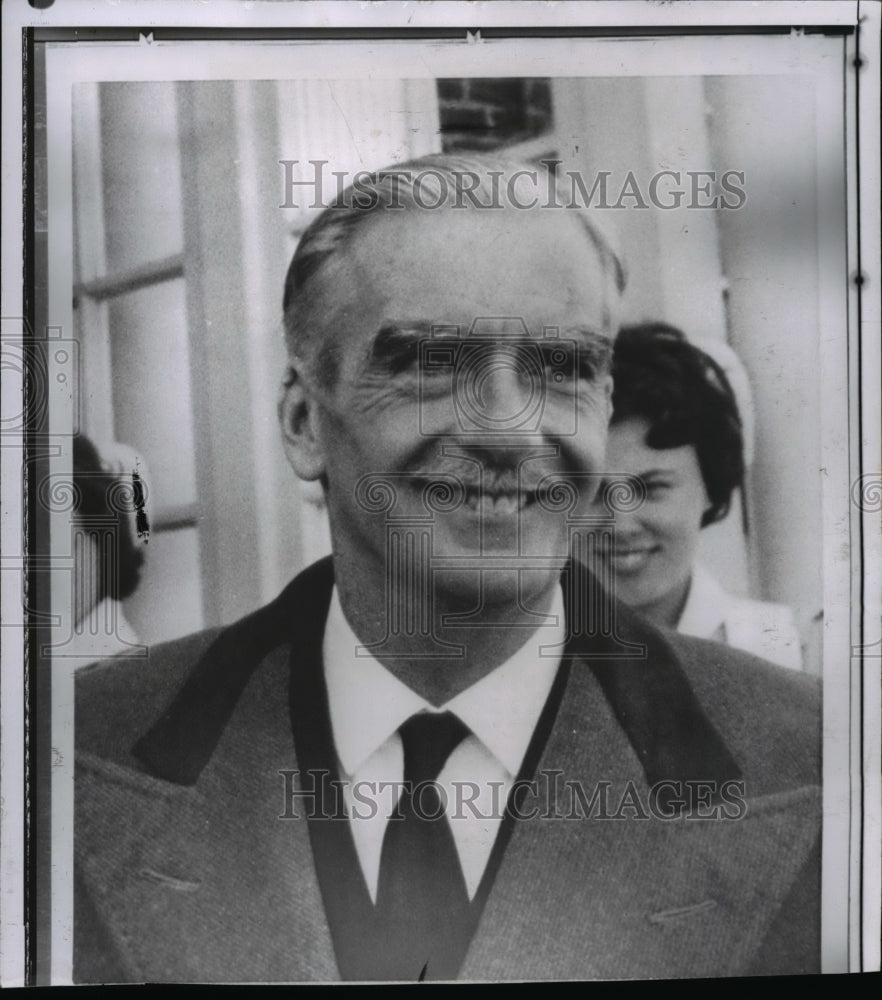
(856, 802)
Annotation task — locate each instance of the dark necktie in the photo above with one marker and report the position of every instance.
(422, 898)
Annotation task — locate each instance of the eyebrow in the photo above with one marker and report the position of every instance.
(659, 473)
(393, 332)
(396, 344)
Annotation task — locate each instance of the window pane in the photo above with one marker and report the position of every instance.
(152, 398)
(141, 173)
(168, 601)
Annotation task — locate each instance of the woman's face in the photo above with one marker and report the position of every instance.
(655, 545)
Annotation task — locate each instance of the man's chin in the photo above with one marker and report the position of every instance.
(512, 586)
(530, 534)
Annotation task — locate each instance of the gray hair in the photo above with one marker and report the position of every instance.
(475, 181)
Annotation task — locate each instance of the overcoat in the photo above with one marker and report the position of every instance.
(187, 871)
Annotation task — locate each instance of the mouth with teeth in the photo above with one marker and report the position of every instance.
(632, 559)
(501, 497)
(498, 504)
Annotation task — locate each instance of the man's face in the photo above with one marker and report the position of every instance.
(446, 373)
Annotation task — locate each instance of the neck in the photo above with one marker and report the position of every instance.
(438, 659)
(669, 607)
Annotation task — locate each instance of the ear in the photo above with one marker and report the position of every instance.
(298, 418)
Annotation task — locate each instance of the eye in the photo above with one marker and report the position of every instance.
(657, 489)
(403, 358)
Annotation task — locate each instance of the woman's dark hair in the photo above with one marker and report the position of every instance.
(98, 497)
(686, 399)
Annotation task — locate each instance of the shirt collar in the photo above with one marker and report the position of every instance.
(707, 605)
(367, 703)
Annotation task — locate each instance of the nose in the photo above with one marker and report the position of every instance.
(502, 390)
(508, 390)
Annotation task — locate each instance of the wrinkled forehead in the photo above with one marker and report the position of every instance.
(508, 272)
(502, 262)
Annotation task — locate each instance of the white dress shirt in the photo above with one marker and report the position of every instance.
(760, 627)
(368, 704)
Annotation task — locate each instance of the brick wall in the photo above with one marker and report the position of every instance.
(483, 113)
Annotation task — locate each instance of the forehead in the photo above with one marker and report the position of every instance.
(628, 451)
(455, 266)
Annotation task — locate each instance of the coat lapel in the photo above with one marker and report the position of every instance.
(605, 890)
(198, 877)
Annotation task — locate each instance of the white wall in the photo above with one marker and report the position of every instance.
(769, 249)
